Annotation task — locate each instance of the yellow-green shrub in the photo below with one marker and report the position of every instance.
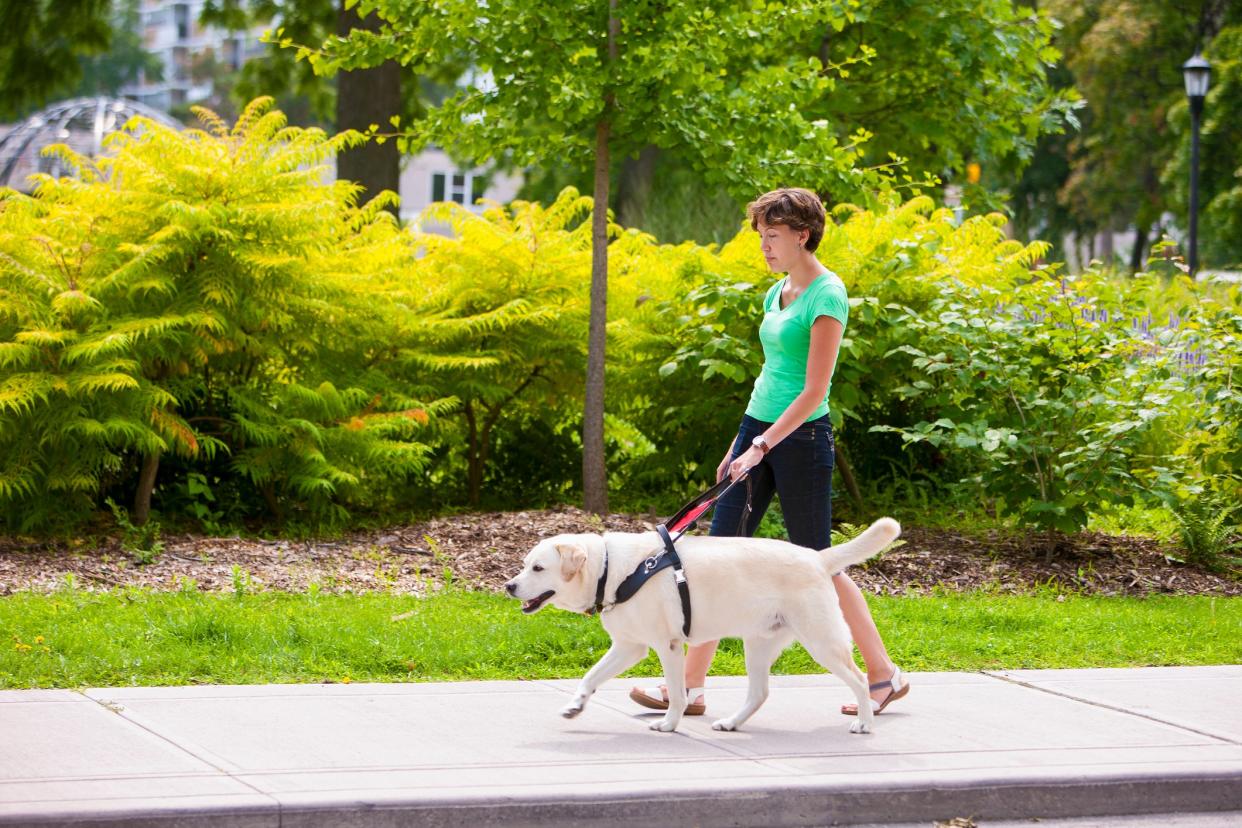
(198, 297)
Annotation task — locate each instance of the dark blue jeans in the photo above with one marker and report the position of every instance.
(799, 470)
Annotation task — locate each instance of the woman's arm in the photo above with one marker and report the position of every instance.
(826, 333)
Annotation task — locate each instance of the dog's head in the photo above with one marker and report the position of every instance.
(555, 572)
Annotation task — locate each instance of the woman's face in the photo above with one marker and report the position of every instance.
(781, 245)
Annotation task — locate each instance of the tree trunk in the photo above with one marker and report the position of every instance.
(847, 474)
(634, 186)
(273, 505)
(1139, 254)
(365, 97)
(1107, 251)
(594, 473)
(474, 465)
(146, 485)
(480, 436)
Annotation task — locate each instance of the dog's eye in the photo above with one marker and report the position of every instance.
(536, 568)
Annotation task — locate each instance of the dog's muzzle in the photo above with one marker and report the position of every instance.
(535, 603)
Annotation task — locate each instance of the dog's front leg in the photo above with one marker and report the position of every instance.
(673, 660)
(620, 657)
(760, 655)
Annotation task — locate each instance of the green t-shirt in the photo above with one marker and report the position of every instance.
(786, 338)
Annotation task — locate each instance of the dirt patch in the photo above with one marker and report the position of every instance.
(1087, 562)
(484, 550)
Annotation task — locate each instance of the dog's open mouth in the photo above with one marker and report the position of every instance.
(535, 603)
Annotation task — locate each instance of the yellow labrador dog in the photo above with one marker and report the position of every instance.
(767, 592)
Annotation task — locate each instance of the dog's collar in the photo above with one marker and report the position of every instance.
(599, 587)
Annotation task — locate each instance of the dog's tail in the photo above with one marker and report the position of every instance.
(873, 539)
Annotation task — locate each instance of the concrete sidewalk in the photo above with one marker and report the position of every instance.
(1012, 745)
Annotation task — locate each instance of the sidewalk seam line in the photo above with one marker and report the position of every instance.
(1106, 706)
(138, 724)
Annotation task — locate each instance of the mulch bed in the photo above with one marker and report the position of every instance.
(483, 550)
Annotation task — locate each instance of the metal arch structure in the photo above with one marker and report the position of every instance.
(80, 122)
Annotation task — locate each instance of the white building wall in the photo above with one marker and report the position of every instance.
(432, 173)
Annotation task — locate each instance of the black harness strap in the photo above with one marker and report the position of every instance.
(663, 560)
(599, 587)
(679, 575)
(681, 522)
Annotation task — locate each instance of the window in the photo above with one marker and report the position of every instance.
(181, 64)
(463, 188)
(181, 14)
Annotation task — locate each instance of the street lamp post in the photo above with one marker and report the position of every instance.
(1196, 72)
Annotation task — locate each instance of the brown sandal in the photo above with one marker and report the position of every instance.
(893, 694)
(656, 698)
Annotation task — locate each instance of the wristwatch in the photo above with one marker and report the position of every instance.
(761, 444)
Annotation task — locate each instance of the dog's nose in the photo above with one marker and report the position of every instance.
(510, 587)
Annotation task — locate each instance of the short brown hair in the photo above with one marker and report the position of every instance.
(794, 207)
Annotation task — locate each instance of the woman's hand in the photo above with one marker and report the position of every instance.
(746, 460)
(723, 468)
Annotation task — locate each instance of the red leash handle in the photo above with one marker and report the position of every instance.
(696, 507)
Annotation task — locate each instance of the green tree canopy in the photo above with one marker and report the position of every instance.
(1126, 56)
(1220, 155)
(42, 44)
(950, 82)
(938, 85)
(106, 73)
(716, 79)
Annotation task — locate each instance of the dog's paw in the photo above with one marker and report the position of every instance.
(860, 727)
(724, 724)
(571, 710)
(664, 726)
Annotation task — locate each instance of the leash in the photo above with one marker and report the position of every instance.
(685, 518)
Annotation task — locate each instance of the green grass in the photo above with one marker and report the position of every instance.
(131, 637)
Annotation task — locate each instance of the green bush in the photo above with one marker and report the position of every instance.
(1002, 381)
(197, 324)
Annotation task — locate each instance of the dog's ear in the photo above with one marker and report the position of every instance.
(573, 557)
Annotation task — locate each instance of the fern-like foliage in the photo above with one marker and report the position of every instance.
(202, 296)
(1209, 534)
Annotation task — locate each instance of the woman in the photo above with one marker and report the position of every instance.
(785, 436)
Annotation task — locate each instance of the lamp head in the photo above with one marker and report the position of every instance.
(1197, 72)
